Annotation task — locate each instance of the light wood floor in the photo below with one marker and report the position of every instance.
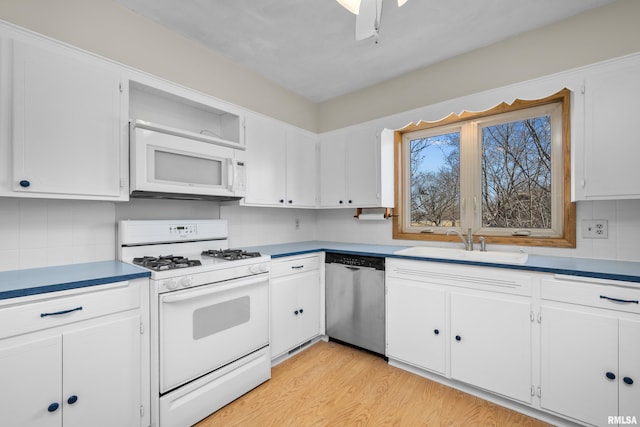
(333, 385)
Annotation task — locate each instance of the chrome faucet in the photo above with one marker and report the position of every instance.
(468, 241)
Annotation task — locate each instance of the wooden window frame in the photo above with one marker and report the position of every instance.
(567, 239)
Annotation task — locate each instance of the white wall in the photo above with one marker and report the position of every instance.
(596, 35)
(623, 220)
(250, 226)
(39, 233)
(108, 29)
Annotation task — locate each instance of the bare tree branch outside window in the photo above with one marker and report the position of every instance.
(435, 181)
(516, 174)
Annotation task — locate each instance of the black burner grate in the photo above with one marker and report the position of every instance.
(166, 262)
(230, 254)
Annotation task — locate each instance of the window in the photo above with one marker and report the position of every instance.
(504, 173)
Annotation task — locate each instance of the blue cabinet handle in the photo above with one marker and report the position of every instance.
(458, 338)
(72, 399)
(24, 183)
(611, 375)
(436, 331)
(624, 301)
(53, 407)
(627, 380)
(58, 313)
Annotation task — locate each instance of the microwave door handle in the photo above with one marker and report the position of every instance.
(231, 169)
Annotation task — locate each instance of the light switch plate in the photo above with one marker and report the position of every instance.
(595, 229)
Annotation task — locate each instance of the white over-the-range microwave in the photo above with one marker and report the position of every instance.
(170, 163)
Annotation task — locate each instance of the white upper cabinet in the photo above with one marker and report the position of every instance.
(356, 168)
(63, 130)
(266, 161)
(609, 167)
(302, 169)
(281, 164)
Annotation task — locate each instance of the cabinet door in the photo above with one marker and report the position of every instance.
(332, 171)
(302, 170)
(31, 379)
(102, 374)
(491, 344)
(416, 331)
(66, 125)
(266, 161)
(363, 176)
(308, 290)
(612, 143)
(578, 351)
(295, 310)
(629, 370)
(284, 304)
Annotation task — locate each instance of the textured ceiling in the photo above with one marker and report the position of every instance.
(309, 46)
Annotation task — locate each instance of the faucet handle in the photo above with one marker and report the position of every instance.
(483, 244)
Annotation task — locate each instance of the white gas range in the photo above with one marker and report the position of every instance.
(209, 315)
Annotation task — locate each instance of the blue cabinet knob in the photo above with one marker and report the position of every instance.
(72, 399)
(53, 407)
(24, 183)
(436, 331)
(458, 338)
(611, 375)
(628, 380)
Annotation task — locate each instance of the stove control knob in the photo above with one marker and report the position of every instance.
(186, 281)
(170, 284)
(264, 267)
(254, 269)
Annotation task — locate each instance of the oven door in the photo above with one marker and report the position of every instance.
(204, 328)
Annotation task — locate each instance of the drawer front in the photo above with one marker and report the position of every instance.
(294, 266)
(60, 310)
(462, 276)
(609, 296)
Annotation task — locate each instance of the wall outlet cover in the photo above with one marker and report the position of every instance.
(595, 229)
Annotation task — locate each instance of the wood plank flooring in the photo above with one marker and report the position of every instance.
(330, 384)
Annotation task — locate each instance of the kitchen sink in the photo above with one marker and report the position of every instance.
(495, 257)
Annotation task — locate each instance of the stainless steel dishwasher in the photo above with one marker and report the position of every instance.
(355, 300)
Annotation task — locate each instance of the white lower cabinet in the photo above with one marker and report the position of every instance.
(590, 353)
(491, 344)
(295, 302)
(86, 372)
(416, 324)
(469, 324)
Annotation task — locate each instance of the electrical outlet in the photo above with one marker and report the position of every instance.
(595, 229)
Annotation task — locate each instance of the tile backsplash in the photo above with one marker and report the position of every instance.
(40, 233)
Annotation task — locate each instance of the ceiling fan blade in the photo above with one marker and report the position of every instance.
(368, 20)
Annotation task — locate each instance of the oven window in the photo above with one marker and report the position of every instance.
(187, 169)
(219, 317)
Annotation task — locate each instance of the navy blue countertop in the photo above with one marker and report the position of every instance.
(20, 283)
(584, 267)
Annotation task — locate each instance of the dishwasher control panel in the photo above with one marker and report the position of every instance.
(355, 260)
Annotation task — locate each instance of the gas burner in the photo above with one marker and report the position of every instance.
(166, 262)
(230, 254)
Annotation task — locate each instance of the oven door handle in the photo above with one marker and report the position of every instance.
(208, 290)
